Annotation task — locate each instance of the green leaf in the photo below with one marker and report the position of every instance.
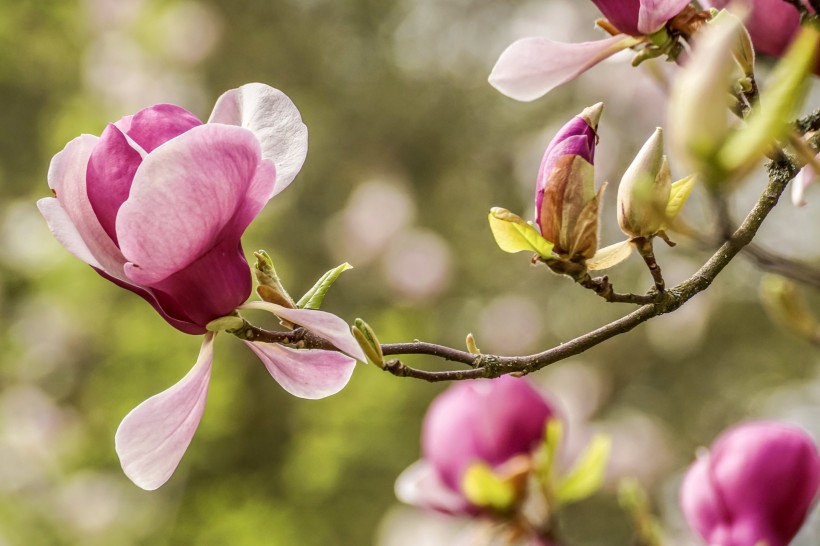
(610, 256)
(587, 475)
(483, 488)
(513, 234)
(678, 195)
(778, 105)
(313, 297)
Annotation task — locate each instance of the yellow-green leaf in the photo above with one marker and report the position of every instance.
(587, 475)
(513, 234)
(313, 297)
(678, 195)
(610, 256)
(483, 488)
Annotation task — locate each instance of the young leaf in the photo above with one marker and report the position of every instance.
(513, 234)
(678, 195)
(610, 256)
(587, 475)
(483, 488)
(313, 297)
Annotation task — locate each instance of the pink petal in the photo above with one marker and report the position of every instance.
(275, 121)
(153, 437)
(65, 231)
(655, 13)
(183, 196)
(799, 185)
(111, 169)
(154, 126)
(67, 177)
(321, 323)
(306, 373)
(419, 485)
(258, 195)
(531, 67)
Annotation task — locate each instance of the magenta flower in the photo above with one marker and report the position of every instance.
(488, 421)
(532, 67)
(754, 487)
(157, 204)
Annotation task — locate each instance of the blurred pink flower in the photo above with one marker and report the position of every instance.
(157, 205)
(532, 67)
(755, 486)
(488, 421)
(771, 23)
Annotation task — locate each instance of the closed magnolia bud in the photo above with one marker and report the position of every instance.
(754, 487)
(566, 205)
(644, 190)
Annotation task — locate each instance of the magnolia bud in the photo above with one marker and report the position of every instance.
(644, 190)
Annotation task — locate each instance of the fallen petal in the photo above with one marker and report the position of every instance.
(325, 325)
(306, 373)
(532, 67)
(153, 437)
(275, 121)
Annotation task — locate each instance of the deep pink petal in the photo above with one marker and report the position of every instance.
(306, 373)
(65, 231)
(655, 13)
(621, 13)
(111, 169)
(183, 196)
(419, 485)
(531, 67)
(700, 503)
(321, 323)
(153, 437)
(153, 126)
(275, 121)
(67, 178)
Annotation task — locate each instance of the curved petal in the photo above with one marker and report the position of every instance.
(153, 437)
(701, 503)
(306, 373)
(321, 323)
(110, 172)
(65, 231)
(258, 195)
(655, 13)
(532, 67)
(275, 121)
(419, 485)
(183, 196)
(154, 126)
(67, 178)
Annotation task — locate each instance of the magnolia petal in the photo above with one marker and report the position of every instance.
(153, 437)
(65, 231)
(699, 501)
(67, 178)
(275, 121)
(655, 13)
(610, 256)
(513, 234)
(799, 185)
(321, 323)
(259, 193)
(531, 67)
(306, 373)
(419, 485)
(154, 126)
(184, 195)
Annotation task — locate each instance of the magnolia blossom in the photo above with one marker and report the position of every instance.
(489, 421)
(754, 487)
(157, 204)
(532, 67)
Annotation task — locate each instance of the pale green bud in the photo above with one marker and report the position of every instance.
(644, 190)
(270, 288)
(367, 340)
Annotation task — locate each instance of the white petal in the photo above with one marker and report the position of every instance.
(419, 485)
(153, 437)
(306, 373)
(275, 121)
(65, 231)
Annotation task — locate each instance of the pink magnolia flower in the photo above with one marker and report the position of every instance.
(754, 487)
(532, 67)
(157, 204)
(489, 421)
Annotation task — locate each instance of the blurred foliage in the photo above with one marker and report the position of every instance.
(409, 148)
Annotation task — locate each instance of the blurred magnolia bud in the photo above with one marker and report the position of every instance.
(644, 190)
(785, 306)
(754, 487)
(477, 440)
(566, 205)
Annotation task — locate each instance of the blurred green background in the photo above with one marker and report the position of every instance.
(409, 148)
